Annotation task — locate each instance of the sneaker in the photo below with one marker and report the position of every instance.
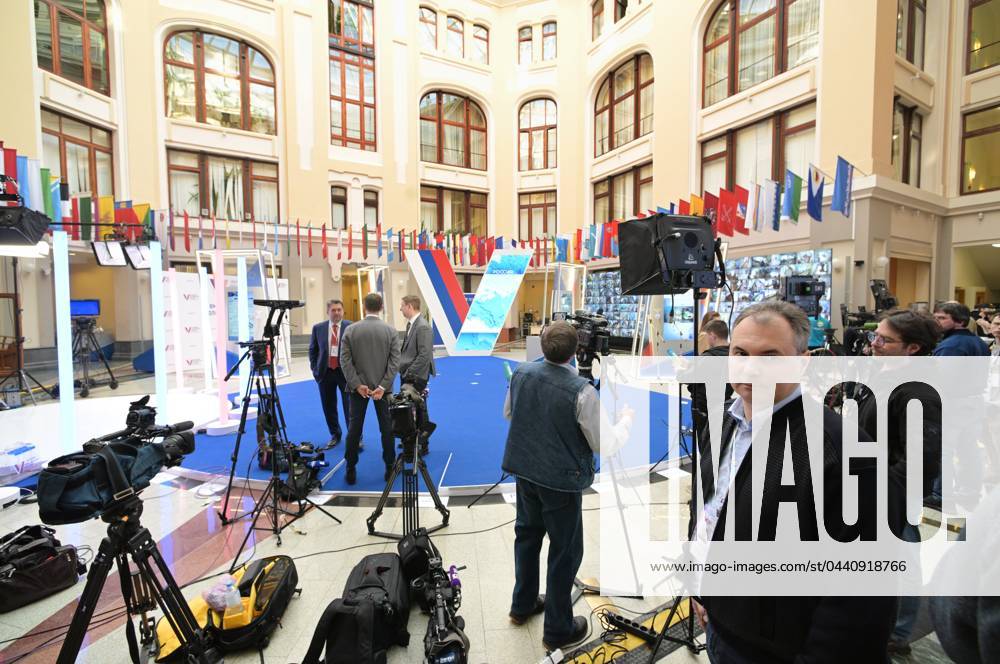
(579, 633)
(352, 476)
(520, 619)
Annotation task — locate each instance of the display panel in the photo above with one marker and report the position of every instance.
(758, 278)
(603, 292)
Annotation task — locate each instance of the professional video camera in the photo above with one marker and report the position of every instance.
(592, 337)
(439, 594)
(804, 292)
(303, 471)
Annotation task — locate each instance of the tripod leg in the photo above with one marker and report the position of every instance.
(88, 602)
(438, 505)
(104, 360)
(236, 452)
(384, 498)
(666, 626)
(254, 515)
(320, 508)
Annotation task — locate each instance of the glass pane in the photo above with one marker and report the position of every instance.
(188, 159)
(713, 175)
(455, 43)
(756, 53)
(601, 132)
(352, 81)
(646, 110)
(549, 47)
(78, 168)
(338, 215)
(50, 154)
(601, 187)
(335, 89)
(225, 188)
(799, 149)
(428, 106)
(983, 119)
(624, 80)
(336, 118)
(536, 199)
(550, 112)
(70, 48)
(76, 129)
(601, 214)
(803, 32)
(222, 54)
(717, 74)
(523, 225)
(918, 36)
(902, 20)
(263, 169)
(622, 196)
(523, 149)
(897, 143)
(371, 217)
(260, 68)
(50, 120)
(537, 221)
(222, 101)
(453, 108)
(265, 200)
(453, 148)
(336, 18)
(645, 197)
(180, 92)
(714, 146)
(351, 21)
(369, 89)
(719, 27)
(353, 121)
(984, 36)
(602, 95)
(367, 26)
(476, 118)
(428, 215)
(478, 221)
(428, 140)
(645, 68)
(100, 137)
(624, 121)
(914, 174)
(982, 163)
(552, 149)
(262, 108)
(524, 52)
(477, 140)
(524, 34)
(800, 116)
(454, 210)
(105, 176)
(75, 6)
(43, 35)
(180, 47)
(369, 124)
(753, 154)
(538, 149)
(428, 29)
(480, 50)
(751, 9)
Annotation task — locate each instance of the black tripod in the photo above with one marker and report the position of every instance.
(85, 343)
(271, 423)
(21, 374)
(142, 592)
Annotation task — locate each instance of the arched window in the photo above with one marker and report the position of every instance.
(455, 45)
(750, 41)
(480, 45)
(452, 131)
(428, 29)
(72, 40)
(218, 80)
(352, 74)
(524, 45)
(623, 110)
(549, 41)
(536, 144)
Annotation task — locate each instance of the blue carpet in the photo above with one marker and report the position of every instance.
(466, 402)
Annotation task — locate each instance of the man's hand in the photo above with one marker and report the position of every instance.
(701, 613)
(364, 391)
(377, 394)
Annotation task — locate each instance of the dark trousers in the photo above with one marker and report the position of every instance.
(331, 385)
(720, 652)
(558, 514)
(356, 424)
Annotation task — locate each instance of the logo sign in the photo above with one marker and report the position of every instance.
(468, 329)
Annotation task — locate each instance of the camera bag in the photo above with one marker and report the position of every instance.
(372, 615)
(34, 565)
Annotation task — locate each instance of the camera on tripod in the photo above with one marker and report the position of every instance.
(592, 334)
(804, 292)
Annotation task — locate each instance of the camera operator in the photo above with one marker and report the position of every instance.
(905, 333)
(741, 630)
(416, 361)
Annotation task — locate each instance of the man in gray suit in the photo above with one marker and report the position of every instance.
(416, 360)
(369, 356)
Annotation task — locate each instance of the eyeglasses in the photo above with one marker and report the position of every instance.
(876, 339)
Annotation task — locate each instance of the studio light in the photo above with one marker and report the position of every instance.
(39, 250)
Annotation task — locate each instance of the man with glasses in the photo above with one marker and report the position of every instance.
(905, 334)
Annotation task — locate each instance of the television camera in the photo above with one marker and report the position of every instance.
(592, 338)
(804, 292)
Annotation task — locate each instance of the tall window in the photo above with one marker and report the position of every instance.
(907, 126)
(480, 45)
(623, 110)
(72, 40)
(981, 151)
(536, 144)
(219, 81)
(537, 214)
(759, 151)
(984, 35)
(596, 18)
(911, 18)
(352, 74)
(371, 209)
(621, 7)
(452, 210)
(749, 41)
(338, 207)
(624, 195)
(78, 153)
(428, 29)
(549, 41)
(455, 46)
(452, 131)
(211, 186)
(524, 45)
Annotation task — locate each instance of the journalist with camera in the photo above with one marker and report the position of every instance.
(416, 362)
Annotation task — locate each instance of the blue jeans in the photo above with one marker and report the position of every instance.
(558, 514)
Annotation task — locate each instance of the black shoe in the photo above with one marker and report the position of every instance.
(352, 476)
(334, 441)
(579, 633)
(934, 502)
(898, 648)
(520, 619)
(388, 472)
(424, 449)
(361, 447)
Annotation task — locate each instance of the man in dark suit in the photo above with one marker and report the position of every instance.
(324, 359)
(369, 356)
(416, 360)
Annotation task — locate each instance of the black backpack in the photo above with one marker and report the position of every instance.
(34, 565)
(370, 617)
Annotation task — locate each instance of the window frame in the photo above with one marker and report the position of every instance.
(246, 182)
(199, 68)
(529, 130)
(529, 41)
(468, 205)
(553, 35)
(621, 9)
(544, 207)
(341, 49)
(992, 129)
(449, 20)
(909, 40)
(55, 7)
(336, 199)
(92, 149)
(596, 19)
(424, 14)
(637, 183)
(905, 144)
(467, 128)
(636, 91)
(365, 207)
(475, 28)
(968, 39)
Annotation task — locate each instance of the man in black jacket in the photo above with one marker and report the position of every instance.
(742, 630)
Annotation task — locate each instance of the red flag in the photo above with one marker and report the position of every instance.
(326, 250)
(402, 245)
(340, 243)
(491, 245)
(742, 198)
(727, 212)
(75, 232)
(579, 243)
(187, 233)
(350, 243)
(413, 239)
(712, 212)
(309, 235)
(683, 207)
(213, 231)
(482, 252)
(606, 245)
(298, 239)
(640, 215)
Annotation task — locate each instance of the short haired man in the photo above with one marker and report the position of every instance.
(370, 357)
(716, 338)
(958, 340)
(416, 360)
(779, 629)
(554, 418)
(324, 359)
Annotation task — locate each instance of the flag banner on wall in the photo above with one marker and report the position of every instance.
(10, 170)
(309, 239)
(378, 238)
(388, 240)
(814, 199)
(683, 207)
(187, 232)
(64, 200)
(793, 197)
(402, 245)
(37, 189)
(711, 211)
(843, 187)
(578, 245)
(44, 180)
(86, 218)
(614, 238)
(23, 181)
(697, 205)
(326, 247)
(727, 212)
(742, 198)
(562, 249)
(298, 239)
(608, 240)
(288, 240)
(753, 201)
(770, 205)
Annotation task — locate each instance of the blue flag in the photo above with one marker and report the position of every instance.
(843, 186)
(562, 249)
(814, 202)
(388, 237)
(499, 242)
(660, 210)
(23, 181)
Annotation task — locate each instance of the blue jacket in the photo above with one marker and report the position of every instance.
(545, 444)
(319, 347)
(961, 342)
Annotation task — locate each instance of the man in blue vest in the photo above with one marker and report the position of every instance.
(554, 431)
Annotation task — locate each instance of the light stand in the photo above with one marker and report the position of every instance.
(21, 375)
(85, 344)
